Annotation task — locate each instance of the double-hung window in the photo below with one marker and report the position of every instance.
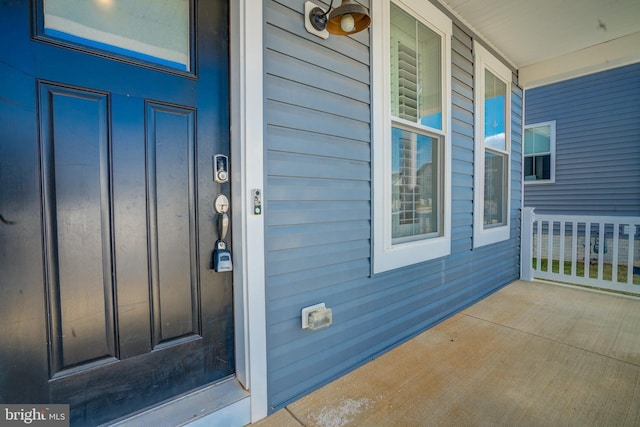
(539, 153)
(412, 138)
(492, 151)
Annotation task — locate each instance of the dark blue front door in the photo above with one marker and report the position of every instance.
(107, 297)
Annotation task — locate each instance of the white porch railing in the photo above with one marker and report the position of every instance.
(599, 251)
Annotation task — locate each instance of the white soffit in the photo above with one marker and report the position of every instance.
(551, 40)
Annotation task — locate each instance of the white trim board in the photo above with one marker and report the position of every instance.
(605, 56)
(247, 118)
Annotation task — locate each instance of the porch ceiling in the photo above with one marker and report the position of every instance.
(552, 40)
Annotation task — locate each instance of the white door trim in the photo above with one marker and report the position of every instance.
(247, 124)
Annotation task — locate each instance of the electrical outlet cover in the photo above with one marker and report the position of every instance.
(306, 311)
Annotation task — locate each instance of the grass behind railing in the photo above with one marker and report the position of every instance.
(607, 270)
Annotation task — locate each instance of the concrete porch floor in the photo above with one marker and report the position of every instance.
(532, 354)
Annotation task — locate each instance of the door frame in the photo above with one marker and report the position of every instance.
(247, 129)
(243, 399)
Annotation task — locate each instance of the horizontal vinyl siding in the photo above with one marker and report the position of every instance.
(318, 211)
(597, 143)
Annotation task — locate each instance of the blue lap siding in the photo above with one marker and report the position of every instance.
(318, 210)
(597, 143)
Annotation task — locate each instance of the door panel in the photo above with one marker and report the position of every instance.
(77, 225)
(172, 235)
(107, 299)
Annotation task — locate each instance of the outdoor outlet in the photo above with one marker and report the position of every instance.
(316, 317)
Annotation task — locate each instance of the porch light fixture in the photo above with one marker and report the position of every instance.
(348, 18)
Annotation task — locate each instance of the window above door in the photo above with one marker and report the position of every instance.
(152, 32)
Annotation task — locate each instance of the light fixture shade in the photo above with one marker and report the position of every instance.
(361, 18)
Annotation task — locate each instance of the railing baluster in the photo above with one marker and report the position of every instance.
(562, 237)
(631, 247)
(574, 248)
(539, 246)
(601, 249)
(549, 246)
(587, 248)
(614, 254)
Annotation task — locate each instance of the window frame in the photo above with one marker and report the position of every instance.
(552, 153)
(484, 60)
(386, 255)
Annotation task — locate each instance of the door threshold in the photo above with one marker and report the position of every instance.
(222, 404)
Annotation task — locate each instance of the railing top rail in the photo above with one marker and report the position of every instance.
(622, 220)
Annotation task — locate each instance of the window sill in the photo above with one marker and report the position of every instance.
(406, 254)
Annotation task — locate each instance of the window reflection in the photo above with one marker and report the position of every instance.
(415, 183)
(494, 189)
(416, 70)
(495, 94)
(155, 31)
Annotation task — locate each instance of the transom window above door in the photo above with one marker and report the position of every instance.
(155, 32)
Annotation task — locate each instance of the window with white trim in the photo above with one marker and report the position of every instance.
(492, 153)
(540, 153)
(412, 137)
